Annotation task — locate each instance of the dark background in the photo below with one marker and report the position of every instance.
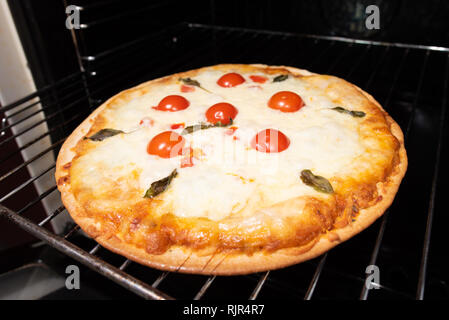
(50, 49)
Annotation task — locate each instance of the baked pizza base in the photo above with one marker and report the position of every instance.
(186, 260)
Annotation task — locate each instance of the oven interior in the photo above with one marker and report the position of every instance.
(123, 43)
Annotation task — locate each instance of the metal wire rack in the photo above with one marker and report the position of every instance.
(411, 82)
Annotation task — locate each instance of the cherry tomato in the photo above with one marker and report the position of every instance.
(185, 88)
(286, 101)
(230, 80)
(172, 103)
(270, 141)
(177, 126)
(221, 112)
(166, 144)
(258, 79)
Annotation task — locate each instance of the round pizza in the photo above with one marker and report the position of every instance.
(231, 169)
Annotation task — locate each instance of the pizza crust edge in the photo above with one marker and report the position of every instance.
(184, 260)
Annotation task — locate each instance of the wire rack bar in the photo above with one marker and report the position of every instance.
(125, 265)
(259, 286)
(26, 183)
(43, 98)
(39, 92)
(37, 156)
(51, 216)
(364, 293)
(332, 38)
(315, 278)
(96, 264)
(21, 110)
(431, 208)
(41, 110)
(72, 231)
(37, 200)
(158, 281)
(95, 249)
(44, 120)
(30, 143)
(204, 288)
(375, 253)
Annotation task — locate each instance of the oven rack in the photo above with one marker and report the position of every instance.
(411, 83)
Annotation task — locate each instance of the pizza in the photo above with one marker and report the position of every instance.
(231, 169)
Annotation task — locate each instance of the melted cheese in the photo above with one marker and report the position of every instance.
(231, 179)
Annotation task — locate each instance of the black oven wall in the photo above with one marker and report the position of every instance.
(41, 24)
(409, 21)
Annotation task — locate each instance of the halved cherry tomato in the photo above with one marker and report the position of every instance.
(177, 125)
(286, 101)
(270, 141)
(230, 80)
(221, 112)
(172, 103)
(166, 144)
(146, 122)
(185, 88)
(258, 79)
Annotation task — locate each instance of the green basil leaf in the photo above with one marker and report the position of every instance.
(355, 114)
(280, 78)
(203, 126)
(196, 127)
(317, 182)
(160, 186)
(340, 109)
(358, 114)
(103, 134)
(192, 82)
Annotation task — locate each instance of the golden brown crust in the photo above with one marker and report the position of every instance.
(185, 259)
